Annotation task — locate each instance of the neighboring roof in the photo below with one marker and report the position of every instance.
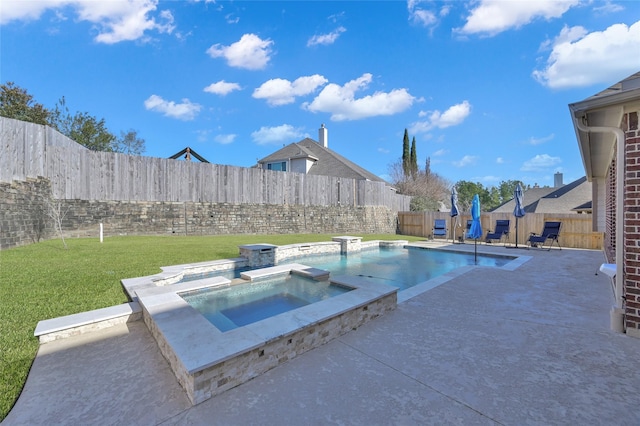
(326, 161)
(565, 199)
(184, 152)
(604, 109)
(586, 207)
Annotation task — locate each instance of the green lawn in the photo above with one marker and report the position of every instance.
(44, 280)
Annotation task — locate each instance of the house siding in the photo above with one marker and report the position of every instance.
(632, 223)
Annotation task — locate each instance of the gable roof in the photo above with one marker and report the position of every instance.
(326, 161)
(568, 198)
(190, 151)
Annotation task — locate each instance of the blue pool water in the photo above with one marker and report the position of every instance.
(238, 305)
(402, 268)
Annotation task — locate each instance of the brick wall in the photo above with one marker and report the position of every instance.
(632, 224)
(24, 218)
(24, 215)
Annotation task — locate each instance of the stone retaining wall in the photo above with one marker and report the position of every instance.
(188, 218)
(24, 218)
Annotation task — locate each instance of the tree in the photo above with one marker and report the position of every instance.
(130, 143)
(428, 189)
(414, 159)
(466, 191)
(17, 103)
(406, 154)
(507, 189)
(83, 128)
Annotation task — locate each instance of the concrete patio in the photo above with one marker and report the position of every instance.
(491, 346)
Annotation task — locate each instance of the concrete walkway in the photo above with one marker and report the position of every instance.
(530, 346)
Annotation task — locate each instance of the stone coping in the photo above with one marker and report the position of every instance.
(198, 344)
(65, 326)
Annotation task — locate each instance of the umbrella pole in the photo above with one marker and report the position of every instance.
(516, 231)
(475, 250)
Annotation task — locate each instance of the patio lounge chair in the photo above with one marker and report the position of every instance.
(440, 228)
(551, 231)
(501, 231)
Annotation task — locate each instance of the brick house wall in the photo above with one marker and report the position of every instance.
(609, 243)
(632, 224)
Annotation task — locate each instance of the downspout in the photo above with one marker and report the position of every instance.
(619, 296)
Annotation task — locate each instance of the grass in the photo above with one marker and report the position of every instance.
(43, 281)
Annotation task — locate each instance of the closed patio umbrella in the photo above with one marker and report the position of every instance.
(518, 211)
(475, 231)
(454, 212)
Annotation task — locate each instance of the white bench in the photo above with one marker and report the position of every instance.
(84, 322)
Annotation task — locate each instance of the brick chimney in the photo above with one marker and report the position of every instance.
(557, 180)
(323, 136)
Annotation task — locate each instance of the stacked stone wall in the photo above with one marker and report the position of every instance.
(167, 218)
(24, 217)
(24, 212)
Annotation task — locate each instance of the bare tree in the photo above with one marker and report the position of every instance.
(57, 214)
(428, 189)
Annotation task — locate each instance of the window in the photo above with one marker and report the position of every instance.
(280, 166)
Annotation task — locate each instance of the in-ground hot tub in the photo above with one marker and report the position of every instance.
(207, 360)
(230, 307)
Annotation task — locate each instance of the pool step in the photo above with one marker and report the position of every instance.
(291, 268)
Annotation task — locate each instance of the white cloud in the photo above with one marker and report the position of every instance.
(467, 160)
(225, 139)
(453, 116)
(20, 10)
(440, 152)
(182, 111)
(383, 150)
(540, 163)
(581, 59)
(341, 103)
(222, 88)
(116, 20)
(491, 17)
(279, 91)
(277, 134)
(231, 19)
(250, 52)
(608, 7)
(539, 141)
(326, 38)
(427, 17)
(499, 160)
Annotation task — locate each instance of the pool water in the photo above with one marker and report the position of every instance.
(235, 306)
(402, 268)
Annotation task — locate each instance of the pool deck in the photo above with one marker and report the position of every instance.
(489, 346)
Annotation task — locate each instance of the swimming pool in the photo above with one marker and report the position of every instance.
(207, 360)
(401, 267)
(235, 306)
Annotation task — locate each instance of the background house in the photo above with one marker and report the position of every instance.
(574, 197)
(606, 126)
(315, 158)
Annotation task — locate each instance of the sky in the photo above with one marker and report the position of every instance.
(483, 86)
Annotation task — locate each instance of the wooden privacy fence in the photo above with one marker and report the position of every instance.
(29, 150)
(576, 230)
